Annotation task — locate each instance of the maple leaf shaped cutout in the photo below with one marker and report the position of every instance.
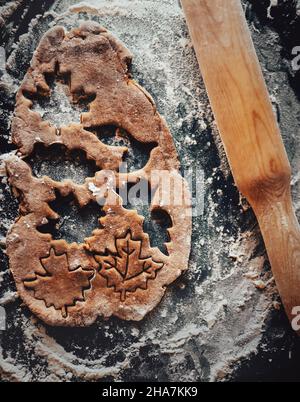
(125, 270)
(60, 287)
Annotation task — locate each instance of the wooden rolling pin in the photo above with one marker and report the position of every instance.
(250, 134)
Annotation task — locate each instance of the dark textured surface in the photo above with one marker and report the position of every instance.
(188, 337)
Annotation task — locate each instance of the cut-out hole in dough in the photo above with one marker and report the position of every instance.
(75, 223)
(156, 226)
(60, 107)
(138, 152)
(59, 163)
(155, 223)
